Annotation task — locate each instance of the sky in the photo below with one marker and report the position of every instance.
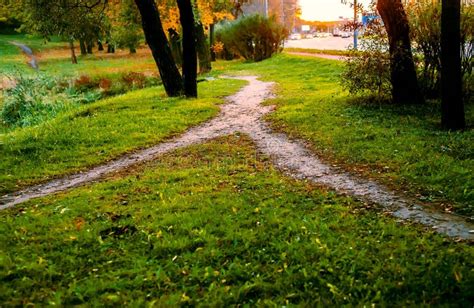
(326, 10)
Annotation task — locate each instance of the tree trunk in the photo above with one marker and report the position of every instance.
(176, 47)
(405, 87)
(452, 107)
(90, 46)
(100, 47)
(110, 48)
(189, 48)
(73, 52)
(211, 42)
(203, 50)
(160, 48)
(82, 45)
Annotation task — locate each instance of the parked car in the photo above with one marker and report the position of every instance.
(345, 34)
(295, 36)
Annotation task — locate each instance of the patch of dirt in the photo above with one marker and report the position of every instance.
(7, 83)
(244, 113)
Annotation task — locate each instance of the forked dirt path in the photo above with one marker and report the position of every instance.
(243, 113)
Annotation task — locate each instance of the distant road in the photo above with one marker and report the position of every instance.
(317, 55)
(333, 43)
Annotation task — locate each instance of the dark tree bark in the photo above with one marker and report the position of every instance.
(189, 47)
(100, 47)
(73, 52)
(90, 46)
(452, 107)
(211, 42)
(176, 47)
(83, 48)
(405, 87)
(160, 48)
(203, 50)
(110, 48)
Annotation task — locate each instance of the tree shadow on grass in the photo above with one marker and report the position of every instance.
(427, 115)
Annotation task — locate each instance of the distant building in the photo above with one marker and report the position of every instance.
(286, 11)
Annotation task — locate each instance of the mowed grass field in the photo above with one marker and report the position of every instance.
(216, 224)
(54, 59)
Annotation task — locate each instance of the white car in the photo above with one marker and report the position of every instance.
(295, 36)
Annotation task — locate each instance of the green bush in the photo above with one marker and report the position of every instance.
(367, 70)
(253, 37)
(32, 101)
(425, 30)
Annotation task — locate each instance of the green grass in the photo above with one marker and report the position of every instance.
(319, 51)
(96, 65)
(95, 133)
(216, 225)
(11, 59)
(58, 63)
(402, 146)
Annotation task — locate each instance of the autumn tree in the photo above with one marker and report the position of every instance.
(405, 88)
(160, 47)
(209, 13)
(189, 47)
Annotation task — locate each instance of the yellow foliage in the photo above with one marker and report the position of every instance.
(169, 17)
(208, 13)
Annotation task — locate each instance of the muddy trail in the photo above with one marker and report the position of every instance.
(243, 113)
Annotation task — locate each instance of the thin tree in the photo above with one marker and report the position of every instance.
(160, 47)
(203, 49)
(452, 107)
(189, 47)
(405, 88)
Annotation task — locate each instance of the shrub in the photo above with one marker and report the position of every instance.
(253, 37)
(84, 83)
(367, 70)
(32, 101)
(424, 18)
(105, 84)
(134, 80)
(36, 99)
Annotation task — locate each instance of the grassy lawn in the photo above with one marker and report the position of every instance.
(99, 64)
(54, 59)
(95, 133)
(11, 60)
(216, 225)
(319, 51)
(404, 147)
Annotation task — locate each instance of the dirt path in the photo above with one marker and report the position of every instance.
(244, 113)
